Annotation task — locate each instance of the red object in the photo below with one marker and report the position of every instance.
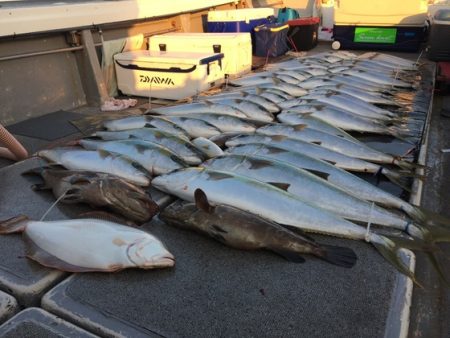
(444, 71)
(304, 21)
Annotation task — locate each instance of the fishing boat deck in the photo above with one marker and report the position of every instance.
(217, 291)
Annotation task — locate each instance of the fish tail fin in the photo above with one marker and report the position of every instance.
(403, 135)
(339, 256)
(14, 225)
(400, 178)
(390, 248)
(429, 218)
(407, 165)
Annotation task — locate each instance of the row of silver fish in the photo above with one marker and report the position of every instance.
(292, 173)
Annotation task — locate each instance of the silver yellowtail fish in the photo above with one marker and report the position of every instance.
(181, 147)
(84, 245)
(316, 151)
(305, 184)
(136, 122)
(247, 96)
(274, 204)
(198, 107)
(98, 161)
(252, 110)
(152, 157)
(194, 127)
(339, 177)
(97, 190)
(225, 123)
(317, 124)
(352, 148)
(342, 119)
(242, 230)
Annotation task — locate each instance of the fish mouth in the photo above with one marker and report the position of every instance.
(165, 262)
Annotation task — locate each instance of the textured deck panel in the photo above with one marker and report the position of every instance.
(37, 323)
(8, 306)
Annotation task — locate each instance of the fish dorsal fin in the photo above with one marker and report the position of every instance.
(331, 162)
(339, 85)
(208, 103)
(259, 91)
(274, 150)
(217, 176)
(307, 114)
(318, 173)
(320, 107)
(140, 148)
(277, 80)
(278, 138)
(317, 143)
(245, 94)
(280, 185)
(238, 101)
(256, 163)
(299, 127)
(103, 153)
(201, 201)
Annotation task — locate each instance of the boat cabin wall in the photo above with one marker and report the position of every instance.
(45, 72)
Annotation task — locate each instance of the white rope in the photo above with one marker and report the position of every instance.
(369, 223)
(53, 205)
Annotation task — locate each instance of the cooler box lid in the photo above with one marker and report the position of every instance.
(245, 14)
(188, 58)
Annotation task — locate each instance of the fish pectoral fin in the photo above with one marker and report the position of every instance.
(320, 174)
(299, 127)
(289, 255)
(218, 228)
(40, 186)
(201, 201)
(280, 185)
(34, 252)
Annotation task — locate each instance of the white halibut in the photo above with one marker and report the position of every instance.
(83, 245)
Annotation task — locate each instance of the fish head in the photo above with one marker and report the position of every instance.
(176, 180)
(149, 253)
(178, 213)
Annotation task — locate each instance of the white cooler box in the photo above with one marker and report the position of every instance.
(167, 75)
(236, 47)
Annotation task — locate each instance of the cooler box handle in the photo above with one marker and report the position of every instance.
(209, 59)
(152, 69)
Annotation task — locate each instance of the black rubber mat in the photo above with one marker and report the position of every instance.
(48, 127)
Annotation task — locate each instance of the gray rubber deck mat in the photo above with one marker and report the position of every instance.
(37, 323)
(217, 291)
(48, 127)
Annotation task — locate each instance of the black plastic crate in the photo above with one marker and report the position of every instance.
(439, 39)
(303, 33)
(395, 38)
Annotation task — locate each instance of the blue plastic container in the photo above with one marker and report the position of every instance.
(238, 20)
